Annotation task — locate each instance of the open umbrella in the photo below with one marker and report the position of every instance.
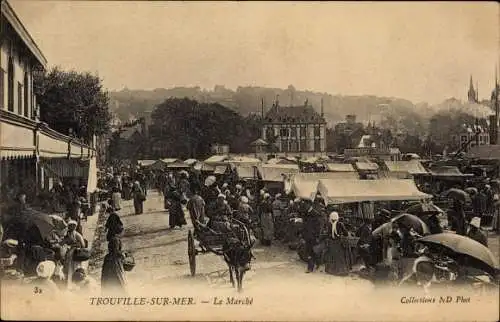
(457, 194)
(407, 220)
(423, 208)
(412, 221)
(44, 223)
(463, 245)
(471, 190)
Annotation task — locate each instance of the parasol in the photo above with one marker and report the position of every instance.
(471, 190)
(463, 245)
(407, 220)
(457, 194)
(44, 223)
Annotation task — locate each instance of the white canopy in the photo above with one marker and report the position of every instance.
(340, 167)
(247, 172)
(315, 176)
(145, 163)
(220, 169)
(244, 160)
(411, 167)
(217, 159)
(346, 191)
(190, 161)
(305, 189)
(366, 166)
(275, 172)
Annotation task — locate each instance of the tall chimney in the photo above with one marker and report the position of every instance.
(322, 111)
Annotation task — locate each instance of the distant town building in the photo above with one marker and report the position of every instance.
(295, 129)
(467, 139)
(220, 149)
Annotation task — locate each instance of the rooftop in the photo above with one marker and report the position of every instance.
(293, 114)
(13, 20)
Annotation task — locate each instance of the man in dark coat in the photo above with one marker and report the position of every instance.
(311, 233)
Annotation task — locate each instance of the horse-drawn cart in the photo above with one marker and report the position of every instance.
(215, 241)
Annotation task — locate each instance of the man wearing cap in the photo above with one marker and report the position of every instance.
(475, 232)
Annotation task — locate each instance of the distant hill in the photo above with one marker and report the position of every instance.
(394, 113)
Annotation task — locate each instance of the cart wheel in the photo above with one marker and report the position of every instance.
(191, 254)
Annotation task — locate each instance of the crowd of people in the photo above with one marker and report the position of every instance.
(42, 241)
(336, 237)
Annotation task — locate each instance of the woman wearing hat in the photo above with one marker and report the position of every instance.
(44, 272)
(139, 197)
(335, 257)
(113, 274)
(266, 220)
(73, 238)
(475, 232)
(176, 214)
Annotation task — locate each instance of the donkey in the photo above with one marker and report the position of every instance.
(238, 256)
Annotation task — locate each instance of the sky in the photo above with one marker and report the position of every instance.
(417, 51)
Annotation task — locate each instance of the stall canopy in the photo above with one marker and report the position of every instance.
(347, 191)
(305, 189)
(280, 161)
(247, 172)
(340, 167)
(244, 161)
(220, 169)
(190, 162)
(366, 166)
(216, 159)
(413, 167)
(448, 171)
(177, 165)
(315, 176)
(146, 163)
(276, 173)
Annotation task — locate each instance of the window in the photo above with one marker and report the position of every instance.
(303, 145)
(294, 147)
(19, 98)
(463, 138)
(302, 131)
(317, 145)
(2, 75)
(284, 132)
(26, 96)
(293, 132)
(316, 131)
(10, 86)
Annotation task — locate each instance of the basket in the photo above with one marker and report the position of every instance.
(128, 262)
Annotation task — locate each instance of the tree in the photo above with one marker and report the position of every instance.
(188, 128)
(72, 101)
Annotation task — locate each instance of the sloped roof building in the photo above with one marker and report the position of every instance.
(295, 129)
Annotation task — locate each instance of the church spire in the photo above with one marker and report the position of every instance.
(472, 93)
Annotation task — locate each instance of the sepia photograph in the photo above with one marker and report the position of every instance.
(249, 161)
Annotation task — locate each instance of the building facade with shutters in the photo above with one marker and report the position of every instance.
(294, 130)
(31, 153)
